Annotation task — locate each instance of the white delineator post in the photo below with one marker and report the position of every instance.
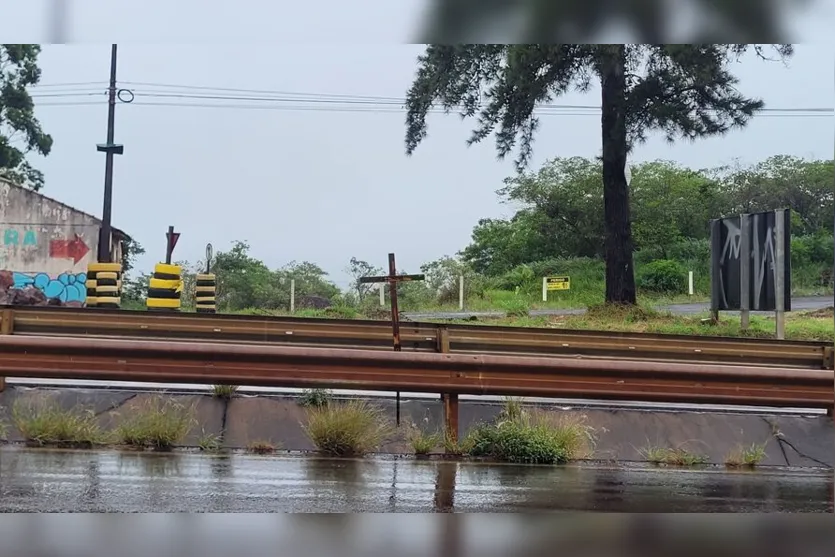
(292, 295)
(461, 293)
(779, 274)
(544, 289)
(690, 283)
(382, 294)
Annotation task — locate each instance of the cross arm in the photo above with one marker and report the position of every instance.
(396, 278)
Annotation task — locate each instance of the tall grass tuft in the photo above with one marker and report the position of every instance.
(42, 421)
(159, 423)
(351, 428)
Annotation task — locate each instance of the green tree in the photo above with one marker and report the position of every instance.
(683, 90)
(243, 281)
(311, 280)
(358, 269)
(20, 130)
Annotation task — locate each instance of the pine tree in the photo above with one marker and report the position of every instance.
(685, 91)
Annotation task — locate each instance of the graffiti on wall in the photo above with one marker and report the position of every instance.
(67, 287)
(12, 237)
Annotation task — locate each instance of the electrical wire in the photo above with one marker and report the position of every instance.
(193, 96)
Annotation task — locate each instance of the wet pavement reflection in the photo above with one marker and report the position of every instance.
(64, 481)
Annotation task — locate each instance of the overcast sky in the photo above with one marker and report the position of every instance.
(323, 185)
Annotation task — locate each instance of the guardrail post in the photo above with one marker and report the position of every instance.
(6, 328)
(450, 400)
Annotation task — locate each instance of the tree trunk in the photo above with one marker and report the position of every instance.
(620, 275)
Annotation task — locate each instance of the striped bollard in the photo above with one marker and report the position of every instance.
(204, 293)
(104, 285)
(165, 288)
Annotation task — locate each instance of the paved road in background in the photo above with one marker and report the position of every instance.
(109, 481)
(808, 303)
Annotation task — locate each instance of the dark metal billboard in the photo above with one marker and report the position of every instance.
(753, 238)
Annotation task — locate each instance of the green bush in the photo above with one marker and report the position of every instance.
(663, 277)
(534, 437)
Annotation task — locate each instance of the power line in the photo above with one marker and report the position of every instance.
(260, 99)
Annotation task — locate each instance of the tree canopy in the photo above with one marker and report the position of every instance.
(560, 205)
(682, 90)
(20, 130)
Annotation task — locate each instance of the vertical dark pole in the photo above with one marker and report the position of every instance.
(109, 150)
(58, 21)
(169, 248)
(395, 321)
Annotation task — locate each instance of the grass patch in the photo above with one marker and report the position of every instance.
(261, 447)
(315, 398)
(4, 430)
(352, 428)
(224, 392)
(209, 442)
(672, 456)
(159, 423)
(742, 456)
(532, 437)
(423, 442)
(42, 421)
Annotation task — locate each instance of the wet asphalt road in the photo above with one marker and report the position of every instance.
(807, 303)
(81, 481)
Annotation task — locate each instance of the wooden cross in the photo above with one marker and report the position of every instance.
(393, 278)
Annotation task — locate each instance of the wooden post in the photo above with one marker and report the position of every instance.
(292, 295)
(461, 293)
(544, 289)
(382, 294)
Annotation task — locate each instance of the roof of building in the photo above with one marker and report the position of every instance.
(116, 231)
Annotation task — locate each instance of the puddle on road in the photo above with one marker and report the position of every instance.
(56, 481)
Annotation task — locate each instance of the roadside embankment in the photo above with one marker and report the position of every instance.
(243, 421)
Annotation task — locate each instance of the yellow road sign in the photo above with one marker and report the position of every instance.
(558, 283)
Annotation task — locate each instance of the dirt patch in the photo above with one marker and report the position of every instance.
(822, 313)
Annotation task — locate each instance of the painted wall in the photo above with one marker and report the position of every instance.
(47, 244)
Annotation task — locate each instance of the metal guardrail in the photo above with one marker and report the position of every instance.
(415, 337)
(346, 368)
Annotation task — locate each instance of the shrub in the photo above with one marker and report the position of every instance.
(315, 398)
(209, 442)
(672, 457)
(225, 392)
(351, 428)
(422, 442)
(160, 423)
(749, 456)
(534, 437)
(41, 420)
(663, 276)
(261, 447)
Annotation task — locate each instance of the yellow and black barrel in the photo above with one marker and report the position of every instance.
(165, 288)
(104, 285)
(204, 293)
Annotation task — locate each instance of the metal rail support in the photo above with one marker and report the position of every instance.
(450, 400)
(6, 328)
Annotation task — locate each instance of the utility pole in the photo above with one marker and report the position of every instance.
(109, 149)
(58, 22)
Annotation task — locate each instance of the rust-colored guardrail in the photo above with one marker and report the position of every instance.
(415, 337)
(293, 366)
